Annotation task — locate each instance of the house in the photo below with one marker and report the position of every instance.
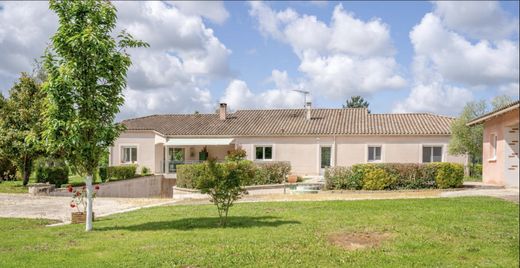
(310, 139)
(500, 145)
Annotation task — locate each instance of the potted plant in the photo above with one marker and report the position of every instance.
(79, 201)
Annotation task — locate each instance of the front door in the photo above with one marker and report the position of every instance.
(175, 157)
(325, 158)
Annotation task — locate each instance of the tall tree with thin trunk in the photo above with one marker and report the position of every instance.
(21, 125)
(86, 74)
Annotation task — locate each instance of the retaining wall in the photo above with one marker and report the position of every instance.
(142, 187)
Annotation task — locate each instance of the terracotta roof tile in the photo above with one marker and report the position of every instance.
(289, 122)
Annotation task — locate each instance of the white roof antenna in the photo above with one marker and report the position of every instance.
(305, 93)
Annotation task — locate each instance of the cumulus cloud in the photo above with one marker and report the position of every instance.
(171, 76)
(478, 19)
(434, 98)
(238, 95)
(24, 33)
(347, 56)
(445, 55)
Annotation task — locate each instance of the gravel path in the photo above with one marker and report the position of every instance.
(57, 208)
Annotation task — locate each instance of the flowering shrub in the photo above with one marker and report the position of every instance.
(79, 197)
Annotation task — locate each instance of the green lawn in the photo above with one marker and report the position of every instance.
(422, 232)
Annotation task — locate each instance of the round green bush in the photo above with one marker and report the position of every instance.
(448, 175)
(377, 179)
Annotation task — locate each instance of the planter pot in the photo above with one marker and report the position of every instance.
(79, 217)
(292, 179)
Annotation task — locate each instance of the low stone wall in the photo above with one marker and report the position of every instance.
(185, 193)
(149, 186)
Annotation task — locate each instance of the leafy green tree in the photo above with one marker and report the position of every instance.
(356, 102)
(468, 140)
(86, 74)
(223, 183)
(21, 124)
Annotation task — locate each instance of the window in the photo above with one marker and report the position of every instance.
(432, 154)
(264, 152)
(493, 142)
(128, 154)
(374, 153)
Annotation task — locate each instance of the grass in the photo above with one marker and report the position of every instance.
(422, 232)
(13, 187)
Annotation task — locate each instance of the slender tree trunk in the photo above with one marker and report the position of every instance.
(88, 181)
(27, 166)
(467, 165)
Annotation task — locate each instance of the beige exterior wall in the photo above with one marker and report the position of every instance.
(502, 169)
(146, 149)
(302, 152)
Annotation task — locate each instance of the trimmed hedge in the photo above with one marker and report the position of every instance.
(189, 175)
(387, 176)
(57, 175)
(117, 173)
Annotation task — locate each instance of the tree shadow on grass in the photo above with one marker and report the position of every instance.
(187, 224)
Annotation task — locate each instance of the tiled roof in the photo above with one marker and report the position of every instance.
(289, 122)
(504, 109)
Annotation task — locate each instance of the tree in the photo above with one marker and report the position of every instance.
(21, 124)
(468, 140)
(223, 183)
(86, 74)
(356, 102)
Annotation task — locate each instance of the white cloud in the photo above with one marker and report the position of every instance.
(478, 19)
(445, 51)
(434, 98)
(170, 76)
(212, 10)
(445, 56)
(238, 95)
(24, 33)
(348, 56)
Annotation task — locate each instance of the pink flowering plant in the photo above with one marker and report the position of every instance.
(79, 197)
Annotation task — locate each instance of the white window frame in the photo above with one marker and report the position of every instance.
(263, 152)
(493, 141)
(368, 154)
(431, 153)
(124, 146)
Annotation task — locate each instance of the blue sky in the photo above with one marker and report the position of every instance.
(402, 56)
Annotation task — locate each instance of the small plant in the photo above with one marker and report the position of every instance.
(223, 183)
(145, 171)
(79, 197)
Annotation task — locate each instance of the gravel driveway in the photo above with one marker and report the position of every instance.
(57, 208)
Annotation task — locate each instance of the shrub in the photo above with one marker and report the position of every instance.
(475, 171)
(56, 175)
(376, 178)
(236, 155)
(145, 171)
(7, 170)
(103, 173)
(409, 175)
(122, 172)
(223, 183)
(448, 175)
(342, 178)
(189, 175)
(271, 173)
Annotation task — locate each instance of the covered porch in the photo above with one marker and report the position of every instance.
(189, 151)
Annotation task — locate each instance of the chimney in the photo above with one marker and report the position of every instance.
(308, 110)
(223, 111)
